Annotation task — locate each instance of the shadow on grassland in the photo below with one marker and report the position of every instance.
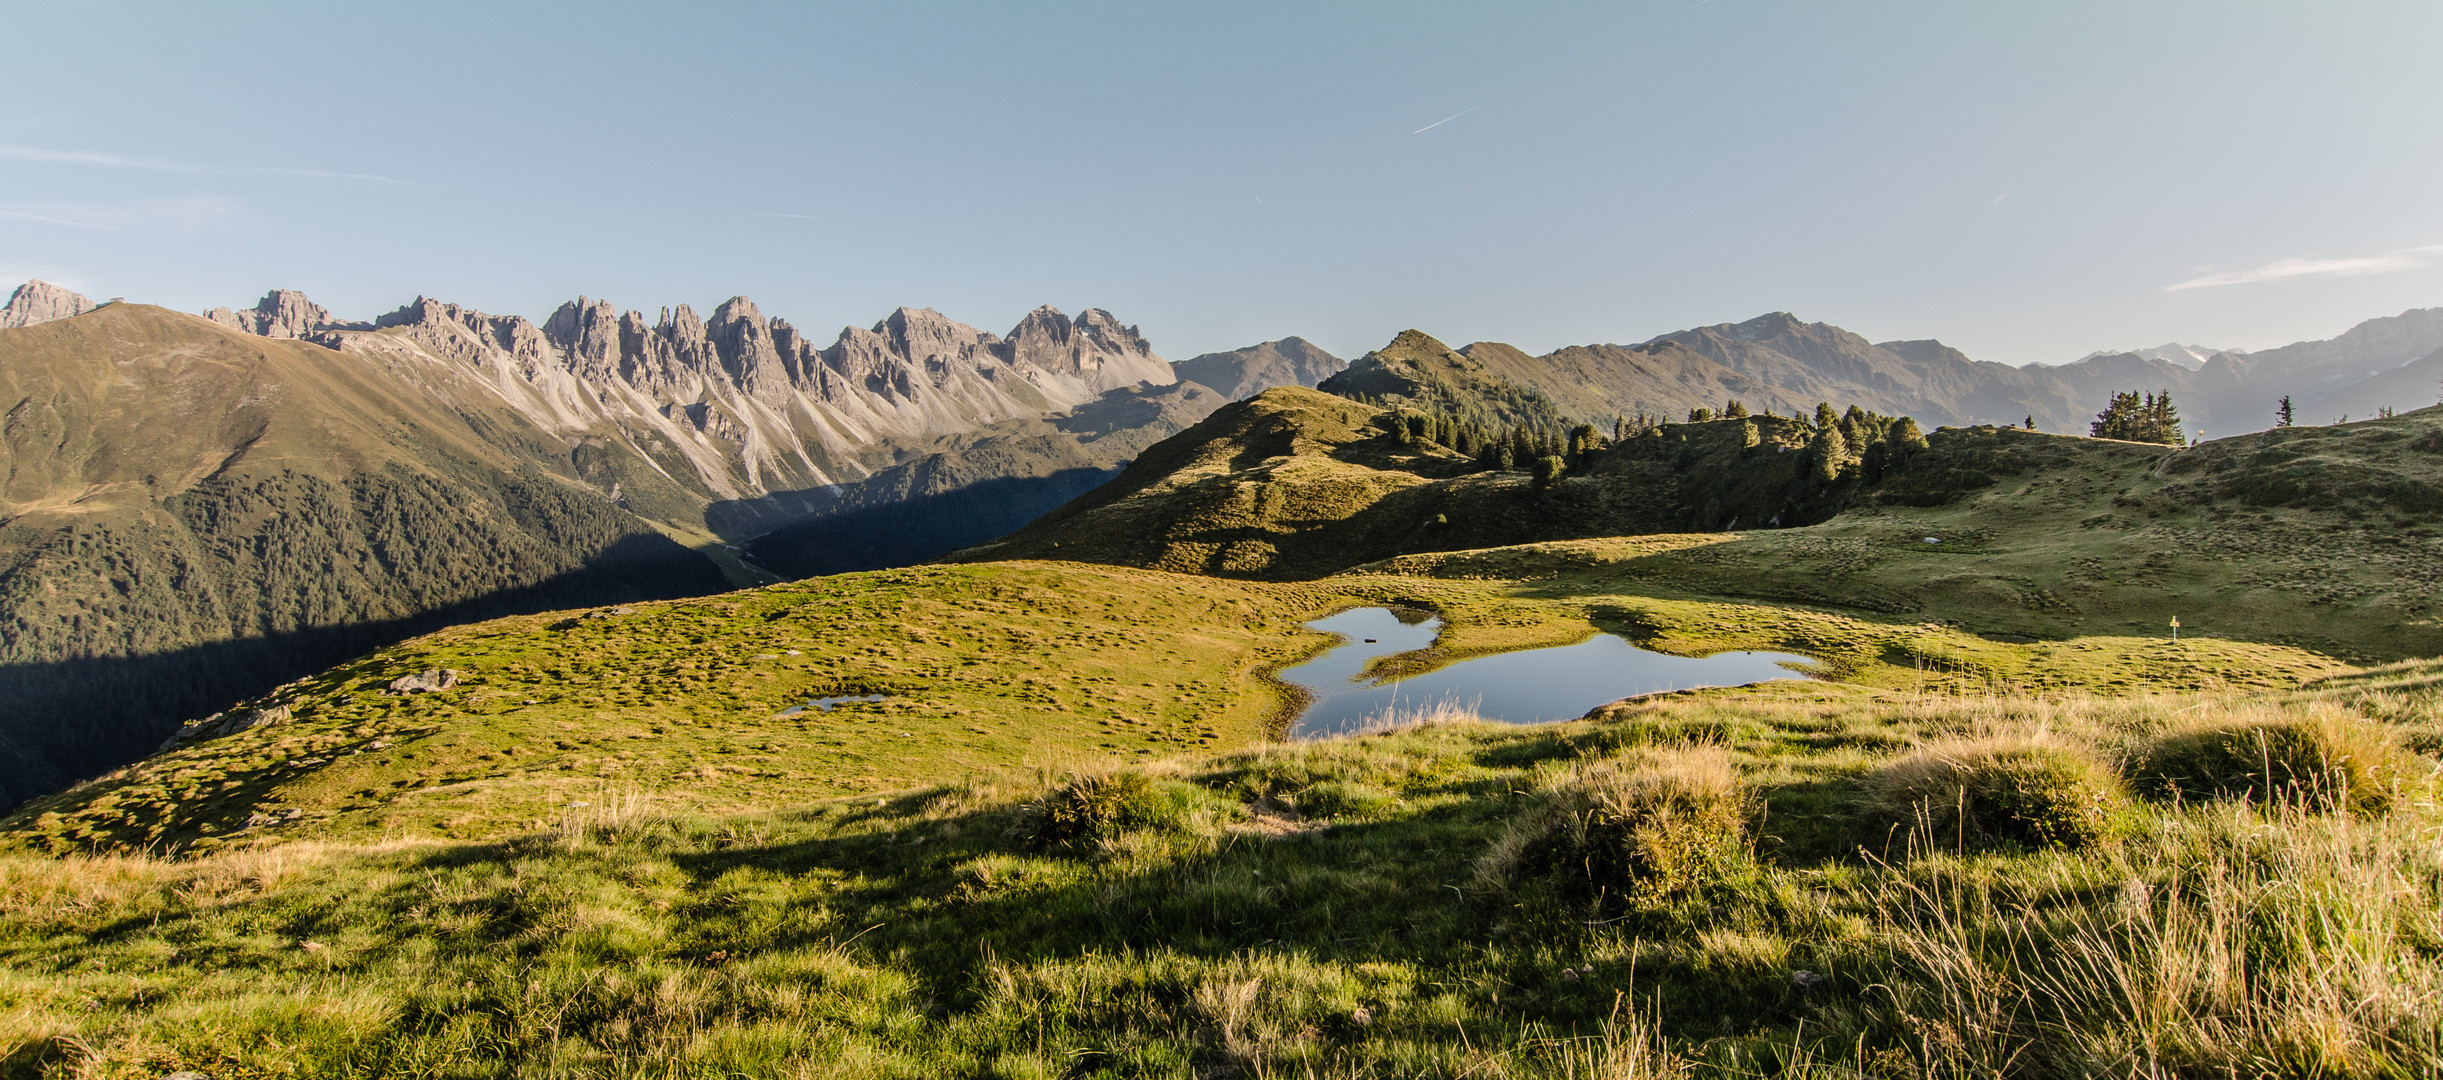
(919, 529)
(65, 720)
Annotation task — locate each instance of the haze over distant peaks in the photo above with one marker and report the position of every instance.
(2191, 357)
(1244, 373)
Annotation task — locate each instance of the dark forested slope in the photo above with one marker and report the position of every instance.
(191, 514)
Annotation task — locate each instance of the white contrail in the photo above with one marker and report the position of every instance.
(1451, 117)
(123, 161)
(2285, 269)
(19, 215)
(83, 157)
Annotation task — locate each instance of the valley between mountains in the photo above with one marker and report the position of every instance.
(451, 694)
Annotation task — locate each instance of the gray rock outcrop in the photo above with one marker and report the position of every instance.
(742, 405)
(427, 681)
(39, 301)
(282, 313)
(226, 723)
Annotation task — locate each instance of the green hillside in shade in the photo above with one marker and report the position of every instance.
(191, 515)
(2325, 537)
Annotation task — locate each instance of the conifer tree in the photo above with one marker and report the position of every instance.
(1905, 435)
(1829, 449)
(2135, 417)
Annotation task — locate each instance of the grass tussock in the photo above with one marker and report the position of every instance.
(2326, 758)
(2031, 792)
(1439, 900)
(1107, 805)
(2228, 944)
(1645, 830)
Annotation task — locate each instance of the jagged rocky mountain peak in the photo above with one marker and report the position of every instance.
(923, 333)
(422, 309)
(742, 405)
(39, 301)
(737, 309)
(282, 313)
(1771, 324)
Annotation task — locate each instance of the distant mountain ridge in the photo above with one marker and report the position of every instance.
(1781, 363)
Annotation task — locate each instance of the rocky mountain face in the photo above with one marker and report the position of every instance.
(740, 412)
(738, 425)
(283, 313)
(37, 302)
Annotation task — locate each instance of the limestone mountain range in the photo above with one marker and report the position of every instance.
(738, 407)
(196, 508)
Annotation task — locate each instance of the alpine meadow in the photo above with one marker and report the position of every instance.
(1274, 688)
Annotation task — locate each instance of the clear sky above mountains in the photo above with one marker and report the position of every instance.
(2025, 181)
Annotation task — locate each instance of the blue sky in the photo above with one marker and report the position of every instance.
(2025, 181)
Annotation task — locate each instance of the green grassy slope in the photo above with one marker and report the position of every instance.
(1716, 884)
(2325, 538)
(191, 515)
(984, 666)
(2320, 537)
(1420, 372)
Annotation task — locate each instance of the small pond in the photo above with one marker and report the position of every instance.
(825, 704)
(1525, 687)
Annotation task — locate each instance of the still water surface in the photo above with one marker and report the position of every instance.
(1525, 687)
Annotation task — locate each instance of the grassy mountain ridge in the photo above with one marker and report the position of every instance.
(2325, 537)
(1780, 363)
(172, 484)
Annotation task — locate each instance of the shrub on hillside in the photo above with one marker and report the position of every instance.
(1095, 807)
(2327, 760)
(1648, 829)
(2018, 792)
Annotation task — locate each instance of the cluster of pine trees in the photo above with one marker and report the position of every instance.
(1860, 439)
(2149, 417)
(1855, 441)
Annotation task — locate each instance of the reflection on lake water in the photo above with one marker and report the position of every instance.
(824, 704)
(1525, 687)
